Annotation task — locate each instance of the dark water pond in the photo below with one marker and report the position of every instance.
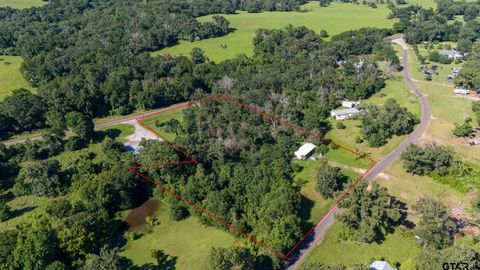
(137, 217)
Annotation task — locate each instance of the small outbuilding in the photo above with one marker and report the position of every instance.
(380, 265)
(461, 91)
(305, 151)
(345, 113)
(350, 104)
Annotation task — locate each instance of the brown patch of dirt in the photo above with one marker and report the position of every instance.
(137, 217)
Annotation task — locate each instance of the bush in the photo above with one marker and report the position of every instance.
(178, 210)
(152, 221)
(358, 139)
(340, 125)
(5, 211)
(130, 236)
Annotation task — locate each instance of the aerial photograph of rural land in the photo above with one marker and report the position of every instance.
(240, 134)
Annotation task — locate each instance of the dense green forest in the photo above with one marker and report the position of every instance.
(294, 75)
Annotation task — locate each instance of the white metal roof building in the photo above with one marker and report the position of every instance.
(380, 265)
(461, 91)
(345, 113)
(305, 150)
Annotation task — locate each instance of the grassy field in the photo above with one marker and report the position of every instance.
(334, 19)
(24, 208)
(187, 240)
(10, 76)
(21, 4)
(447, 108)
(163, 117)
(398, 247)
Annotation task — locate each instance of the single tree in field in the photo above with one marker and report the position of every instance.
(231, 258)
(465, 129)
(329, 179)
(370, 212)
(434, 223)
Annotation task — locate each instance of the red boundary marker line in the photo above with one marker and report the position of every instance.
(193, 160)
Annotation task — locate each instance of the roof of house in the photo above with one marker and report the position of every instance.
(305, 149)
(381, 265)
(346, 111)
(450, 53)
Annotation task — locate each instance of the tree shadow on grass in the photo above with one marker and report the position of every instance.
(112, 133)
(22, 211)
(306, 206)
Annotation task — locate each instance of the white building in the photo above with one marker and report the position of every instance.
(450, 54)
(461, 91)
(380, 265)
(350, 104)
(344, 114)
(305, 150)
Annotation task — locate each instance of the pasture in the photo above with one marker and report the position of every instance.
(336, 18)
(399, 247)
(187, 241)
(21, 4)
(10, 76)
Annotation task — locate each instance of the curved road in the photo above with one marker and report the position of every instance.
(328, 220)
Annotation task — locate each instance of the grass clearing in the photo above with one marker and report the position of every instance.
(24, 208)
(10, 76)
(162, 118)
(336, 18)
(187, 240)
(21, 4)
(397, 247)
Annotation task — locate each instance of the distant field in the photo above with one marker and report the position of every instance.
(10, 76)
(334, 19)
(187, 240)
(20, 4)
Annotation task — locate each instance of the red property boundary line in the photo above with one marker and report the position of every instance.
(193, 160)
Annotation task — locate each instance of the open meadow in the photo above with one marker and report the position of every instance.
(336, 18)
(187, 241)
(10, 76)
(21, 4)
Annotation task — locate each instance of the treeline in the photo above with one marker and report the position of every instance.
(288, 63)
(425, 24)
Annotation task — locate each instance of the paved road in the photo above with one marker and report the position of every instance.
(323, 226)
(99, 126)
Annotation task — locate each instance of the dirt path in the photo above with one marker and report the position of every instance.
(139, 134)
(327, 221)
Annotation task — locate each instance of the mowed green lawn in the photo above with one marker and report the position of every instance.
(10, 76)
(336, 18)
(162, 118)
(21, 4)
(187, 240)
(398, 247)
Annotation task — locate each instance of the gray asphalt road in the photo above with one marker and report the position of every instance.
(327, 222)
(100, 126)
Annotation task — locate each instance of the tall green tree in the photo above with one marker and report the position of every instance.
(329, 179)
(370, 213)
(434, 223)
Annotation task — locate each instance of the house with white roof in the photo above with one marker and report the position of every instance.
(344, 113)
(461, 91)
(305, 150)
(451, 54)
(381, 265)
